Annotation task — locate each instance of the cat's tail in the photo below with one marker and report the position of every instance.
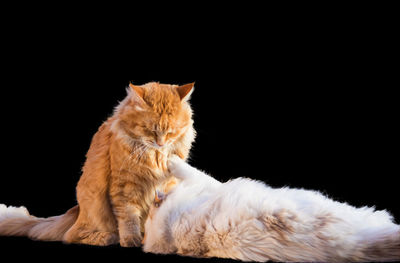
(384, 246)
(16, 221)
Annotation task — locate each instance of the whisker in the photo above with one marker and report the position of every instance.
(137, 150)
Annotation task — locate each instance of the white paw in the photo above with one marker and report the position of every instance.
(173, 163)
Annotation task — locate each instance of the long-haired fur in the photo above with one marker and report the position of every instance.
(126, 160)
(250, 221)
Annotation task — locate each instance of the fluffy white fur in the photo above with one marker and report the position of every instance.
(12, 212)
(248, 220)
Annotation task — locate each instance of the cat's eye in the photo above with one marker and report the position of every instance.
(154, 132)
(159, 196)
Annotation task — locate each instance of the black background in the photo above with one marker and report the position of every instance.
(304, 104)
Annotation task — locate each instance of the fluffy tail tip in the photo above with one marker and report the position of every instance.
(7, 212)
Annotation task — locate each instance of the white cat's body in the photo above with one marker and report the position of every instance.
(247, 220)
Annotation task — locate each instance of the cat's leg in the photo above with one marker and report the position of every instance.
(127, 200)
(95, 224)
(128, 218)
(182, 170)
(80, 233)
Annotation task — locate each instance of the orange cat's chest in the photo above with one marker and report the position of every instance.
(137, 161)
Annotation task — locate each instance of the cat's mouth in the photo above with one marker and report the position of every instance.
(156, 146)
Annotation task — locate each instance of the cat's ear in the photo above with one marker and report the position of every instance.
(185, 91)
(137, 90)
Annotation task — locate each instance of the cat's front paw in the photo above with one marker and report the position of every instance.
(130, 241)
(173, 163)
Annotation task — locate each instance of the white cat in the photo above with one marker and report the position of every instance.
(248, 220)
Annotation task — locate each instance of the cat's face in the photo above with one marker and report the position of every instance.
(157, 114)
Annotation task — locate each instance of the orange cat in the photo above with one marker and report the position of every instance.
(126, 160)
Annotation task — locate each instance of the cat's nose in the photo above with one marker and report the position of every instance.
(160, 141)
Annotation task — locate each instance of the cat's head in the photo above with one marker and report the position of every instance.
(156, 114)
